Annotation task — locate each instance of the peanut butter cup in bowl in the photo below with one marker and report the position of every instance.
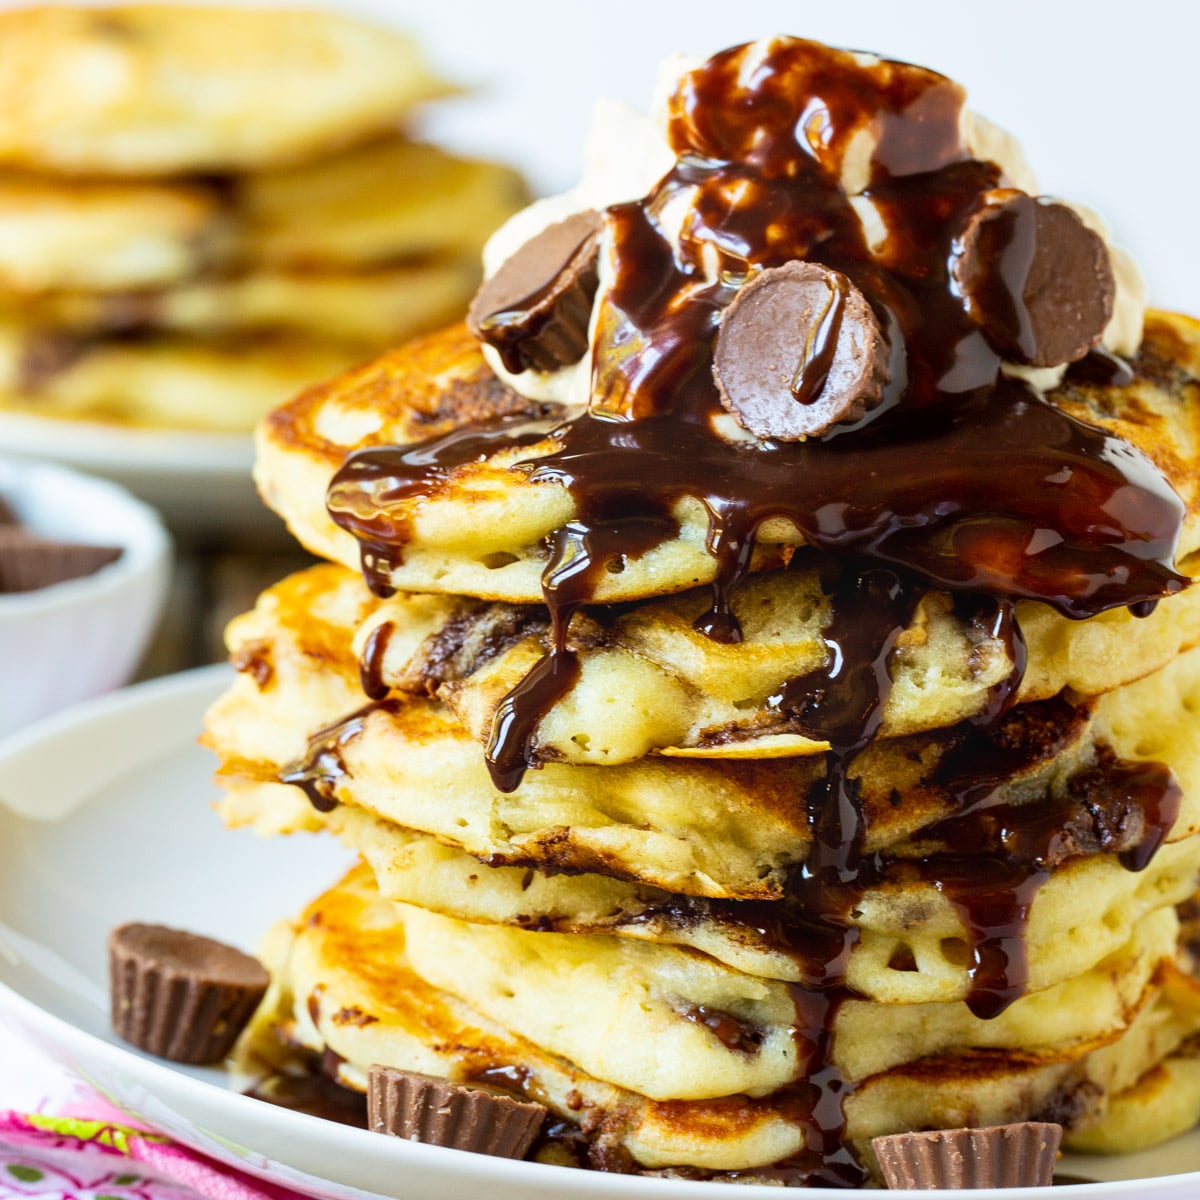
(83, 575)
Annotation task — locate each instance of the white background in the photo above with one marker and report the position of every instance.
(1104, 96)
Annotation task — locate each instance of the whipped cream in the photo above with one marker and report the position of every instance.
(628, 152)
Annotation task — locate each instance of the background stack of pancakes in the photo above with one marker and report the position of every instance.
(201, 209)
(731, 878)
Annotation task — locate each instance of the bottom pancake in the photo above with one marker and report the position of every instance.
(1162, 1104)
(351, 976)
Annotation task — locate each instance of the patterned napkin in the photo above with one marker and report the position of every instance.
(95, 1157)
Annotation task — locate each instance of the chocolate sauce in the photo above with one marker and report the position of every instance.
(1103, 367)
(255, 659)
(370, 667)
(732, 1033)
(371, 480)
(961, 478)
(318, 772)
(316, 1095)
(995, 858)
(842, 703)
(314, 1091)
(820, 345)
(516, 719)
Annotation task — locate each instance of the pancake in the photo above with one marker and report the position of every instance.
(699, 826)
(572, 993)
(390, 203)
(362, 309)
(162, 382)
(150, 89)
(344, 980)
(1162, 1104)
(103, 236)
(649, 680)
(911, 948)
(730, 830)
(392, 200)
(481, 528)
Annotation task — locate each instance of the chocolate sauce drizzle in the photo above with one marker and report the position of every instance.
(962, 478)
(961, 475)
(317, 773)
(820, 346)
(370, 671)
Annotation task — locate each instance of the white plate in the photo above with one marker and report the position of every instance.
(105, 817)
(200, 482)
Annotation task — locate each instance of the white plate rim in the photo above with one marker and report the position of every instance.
(94, 444)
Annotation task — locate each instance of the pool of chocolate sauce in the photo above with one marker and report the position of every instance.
(963, 478)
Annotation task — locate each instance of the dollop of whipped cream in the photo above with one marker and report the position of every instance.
(627, 153)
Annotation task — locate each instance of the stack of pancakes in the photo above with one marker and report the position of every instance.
(202, 209)
(732, 857)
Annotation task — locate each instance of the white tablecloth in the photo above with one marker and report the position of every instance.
(28, 1081)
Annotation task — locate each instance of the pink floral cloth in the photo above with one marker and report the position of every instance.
(76, 1158)
(60, 1141)
(93, 1156)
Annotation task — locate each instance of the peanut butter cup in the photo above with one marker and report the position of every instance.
(535, 310)
(464, 1116)
(799, 351)
(999, 1156)
(1034, 278)
(29, 563)
(178, 995)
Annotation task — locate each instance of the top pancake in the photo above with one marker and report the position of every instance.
(163, 89)
(482, 529)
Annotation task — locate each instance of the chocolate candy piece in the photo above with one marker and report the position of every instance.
(1034, 278)
(7, 516)
(465, 1116)
(29, 563)
(1000, 1156)
(535, 310)
(799, 350)
(178, 995)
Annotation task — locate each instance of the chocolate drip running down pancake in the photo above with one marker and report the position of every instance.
(961, 476)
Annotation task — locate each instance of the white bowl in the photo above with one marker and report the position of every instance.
(76, 639)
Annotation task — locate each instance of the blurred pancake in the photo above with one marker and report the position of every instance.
(363, 309)
(392, 200)
(103, 236)
(482, 529)
(391, 203)
(163, 382)
(158, 89)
